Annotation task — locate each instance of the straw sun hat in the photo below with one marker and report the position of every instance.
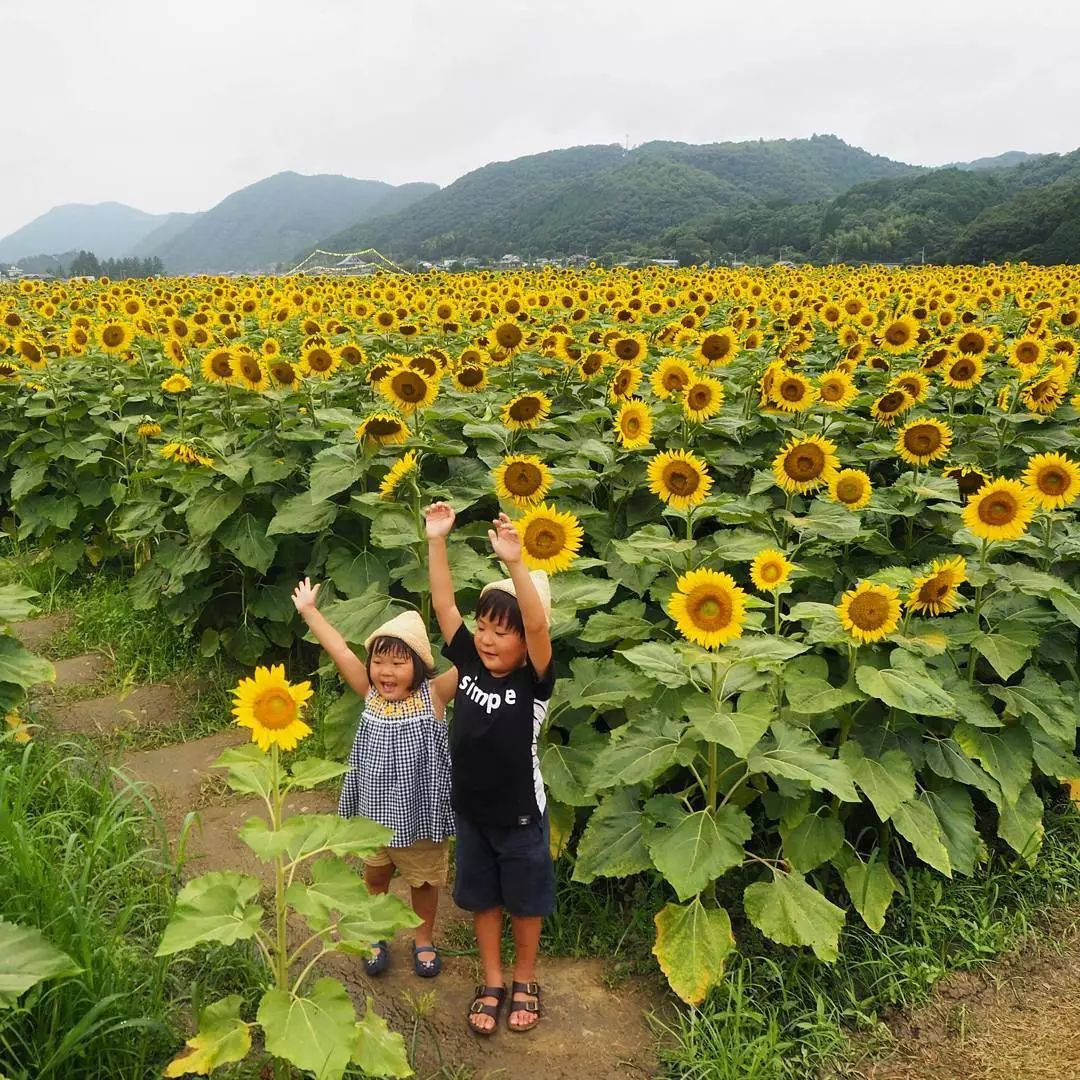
(409, 628)
(539, 579)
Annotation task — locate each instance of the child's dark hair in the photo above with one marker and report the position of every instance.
(385, 645)
(502, 608)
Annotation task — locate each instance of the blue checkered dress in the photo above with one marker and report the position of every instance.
(399, 769)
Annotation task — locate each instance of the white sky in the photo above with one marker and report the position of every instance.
(169, 105)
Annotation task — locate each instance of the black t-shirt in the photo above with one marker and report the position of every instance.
(494, 768)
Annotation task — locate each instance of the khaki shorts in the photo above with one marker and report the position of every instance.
(423, 863)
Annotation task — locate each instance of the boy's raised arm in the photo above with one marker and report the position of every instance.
(439, 521)
(350, 665)
(507, 545)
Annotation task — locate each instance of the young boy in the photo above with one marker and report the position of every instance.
(505, 680)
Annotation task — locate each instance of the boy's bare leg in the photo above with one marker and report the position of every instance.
(488, 926)
(425, 901)
(527, 944)
(377, 879)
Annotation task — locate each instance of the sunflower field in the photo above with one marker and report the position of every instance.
(814, 532)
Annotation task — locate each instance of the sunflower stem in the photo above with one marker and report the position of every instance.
(710, 795)
(978, 610)
(1048, 535)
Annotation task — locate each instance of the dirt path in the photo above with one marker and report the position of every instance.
(1017, 1019)
(589, 1030)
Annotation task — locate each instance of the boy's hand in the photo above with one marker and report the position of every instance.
(505, 541)
(305, 596)
(439, 519)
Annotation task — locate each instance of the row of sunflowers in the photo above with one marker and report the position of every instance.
(817, 609)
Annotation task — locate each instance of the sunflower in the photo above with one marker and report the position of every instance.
(629, 348)
(973, 342)
(382, 429)
(174, 351)
(592, 364)
(526, 411)
(718, 346)
(1000, 510)
(176, 384)
(508, 336)
(284, 375)
(805, 465)
(271, 347)
(271, 707)
(851, 488)
(182, 452)
(671, 377)
(405, 466)
(1046, 395)
(923, 441)
(968, 478)
(320, 360)
(148, 431)
(703, 399)
(470, 379)
(30, 352)
(890, 405)
(350, 354)
(219, 366)
(1026, 353)
(624, 382)
(708, 608)
(900, 335)
(522, 479)
(549, 538)
(17, 728)
(769, 570)
(679, 478)
(869, 612)
(936, 593)
(384, 321)
(115, 337)
(914, 382)
(963, 372)
(408, 390)
(836, 389)
(1052, 480)
(635, 424)
(252, 375)
(792, 392)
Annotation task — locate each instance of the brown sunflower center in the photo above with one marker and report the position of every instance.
(792, 389)
(869, 610)
(769, 571)
(320, 360)
(351, 355)
(1027, 352)
(681, 479)
(675, 380)
(898, 334)
(922, 439)
(382, 428)
(544, 538)
(998, 509)
(709, 609)
(284, 373)
(804, 462)
(408, 386)
(850, 489)
(508, 336)
(832, 390)
(471, 376)
(523, 478)
(699, 397)
(892, 401)
(1052, 480)
(250, 369)
(627, 349)
(112, 336)
(716, 346)
(971, 343)
(592, 363)
(631, 424)
(525, 408)
(275, 709)
(221, 365)
(936, 589)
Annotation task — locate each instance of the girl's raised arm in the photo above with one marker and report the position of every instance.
(439, 521)
(350, 665)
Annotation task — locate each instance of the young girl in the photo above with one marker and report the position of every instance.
(503, 840)
(399, 767)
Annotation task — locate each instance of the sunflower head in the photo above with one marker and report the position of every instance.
(851, 488)
(1052, 480)
(769, 570)
(890, 405)
(836, 389)
(1000, 510)
(709, 609)
(702, 399)
(526, 411)
(679, 478)
(923, 441)
(671, 377)
(271, 707)
(522, 479)
(405, 466)
(550, 539)
(937, 592)
(869, 612)
(718, 346)
(792, 392)
(382, 429)
(805, 465)
(408, 390)
(634, 424)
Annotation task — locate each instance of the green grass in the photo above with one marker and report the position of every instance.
(88, 866)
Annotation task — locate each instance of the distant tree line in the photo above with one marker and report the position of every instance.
(87, 264)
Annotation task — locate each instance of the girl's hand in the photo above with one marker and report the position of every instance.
(439, 519)
(305, 596)
(505, 541)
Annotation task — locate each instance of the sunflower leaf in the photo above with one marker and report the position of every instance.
(790, 912)
(692, 945)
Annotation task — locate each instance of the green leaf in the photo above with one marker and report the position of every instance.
(1005, 654)
(566, 767)
(701, 848)
(26, 958)
(796, 755)
(660, 662)
(815, 840)
(27, 478)
(334, 470)
(378, 1050)
(812, 696)
(887, 781)
(1041, 698)
(222, 1037)
(1020, 824)
(636, 752)
(692, 946)
(304, 835)
(579, 591)
(790, 912)
(214, 907)
(314, 771)
(871, 887)
(249, 768)
(15, 603)
(246, 537)
(951, 805)
(908, 690)
(603, 684)
(765, 650)
(211, 507)
(339, 724)
(613, 843)
(300, 515)
(625, 622)
(379, 919)
(917, 824)
(1067, 603)
(739, 730)
(20, 666)
(353, 573)
(971, 702)
(649, 543)
(355, 619)
(316, 1033)
(1005, 753)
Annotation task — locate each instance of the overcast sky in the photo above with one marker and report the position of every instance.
(170, 105)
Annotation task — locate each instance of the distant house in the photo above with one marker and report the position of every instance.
(510, 262)
(469, 263)
(577, 261)
(664, 262)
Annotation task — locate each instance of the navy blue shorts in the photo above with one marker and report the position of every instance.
(505, 866)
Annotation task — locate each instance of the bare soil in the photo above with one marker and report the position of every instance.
(35, 633)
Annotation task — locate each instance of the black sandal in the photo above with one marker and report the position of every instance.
(479, 1006)
(533, 990)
